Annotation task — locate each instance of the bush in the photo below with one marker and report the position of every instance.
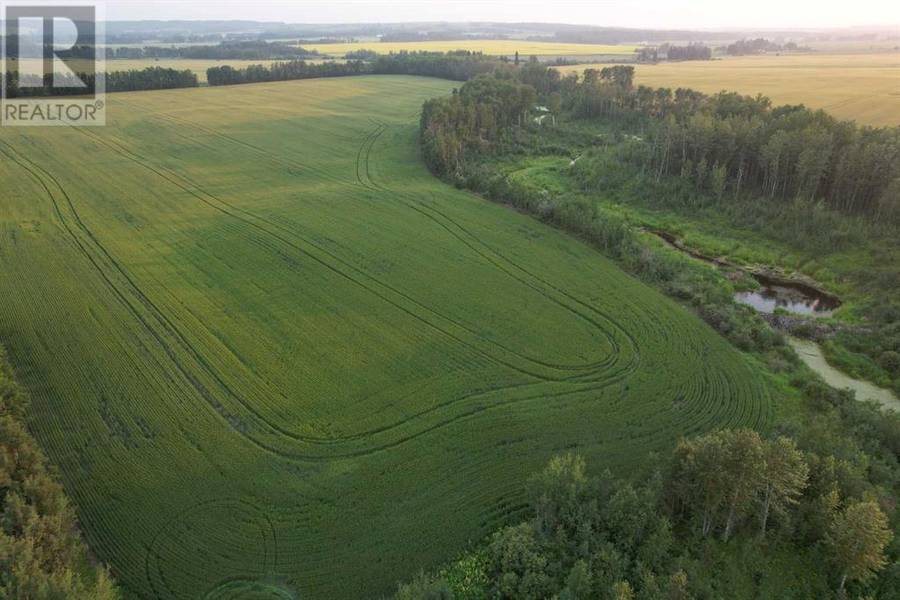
(424, 587)
(890, 362)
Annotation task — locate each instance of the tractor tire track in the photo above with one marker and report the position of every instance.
(221, 205)
(363, 174)
(333, 441)
(167, 324)
(424, 209)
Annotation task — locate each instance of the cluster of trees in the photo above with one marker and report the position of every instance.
(472, 119)
(648, 54)
(689, 52)
(227, 50)
(151, 78)
(487, 108)
(744, 146)
(458, 66)
(755, 46)
(651, 54)
(42, 554)
(653, 538)
(31, 48)
(761, 46)
(158, 35)
(724, 479)
(726, 144)
(281, 71)
(67, 85)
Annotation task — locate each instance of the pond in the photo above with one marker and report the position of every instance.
(790, 295)
(771, 296)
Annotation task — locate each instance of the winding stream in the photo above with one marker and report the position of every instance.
(811, 354)
(802, 299)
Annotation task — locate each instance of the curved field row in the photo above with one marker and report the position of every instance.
(594, 374)
(595, 371)
(274, 358)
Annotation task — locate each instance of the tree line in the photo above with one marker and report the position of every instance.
(281, 71)
(689, 52)
(652, 54)
(761, 46)
(457, 66)
(42, 554)
(59, 84)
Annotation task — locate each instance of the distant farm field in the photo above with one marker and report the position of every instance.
(494, 47)
(862, 87)
(272, 355)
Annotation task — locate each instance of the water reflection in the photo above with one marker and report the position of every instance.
(771, 296)
(793, 296)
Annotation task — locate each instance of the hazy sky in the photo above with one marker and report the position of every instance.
(642, 13)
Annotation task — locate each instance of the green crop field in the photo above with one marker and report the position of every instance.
(273, 357)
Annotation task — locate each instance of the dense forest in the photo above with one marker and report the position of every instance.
(42, 555)
(738, 147)
(689, 52)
